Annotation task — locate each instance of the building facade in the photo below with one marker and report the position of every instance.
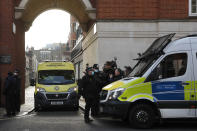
(31, 66)
(125, 28)
(53, 52)
(27, 71)
(75, 39)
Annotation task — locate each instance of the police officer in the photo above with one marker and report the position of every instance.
(127, 71)
(17, 84)
(101, 82)
(9, 92)
(117, 75)
(99, 77)
(107, 71)
(89, 87)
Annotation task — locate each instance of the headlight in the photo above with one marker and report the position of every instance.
(72, 89)
(41, 89)
(116, 93)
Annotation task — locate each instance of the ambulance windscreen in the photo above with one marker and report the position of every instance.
(56, 77)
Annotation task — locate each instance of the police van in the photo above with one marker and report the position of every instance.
(162, 84)
(55, 86)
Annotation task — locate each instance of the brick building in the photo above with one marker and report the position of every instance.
(120, 28)
(75, 39)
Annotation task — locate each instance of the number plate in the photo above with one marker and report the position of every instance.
(57, 103)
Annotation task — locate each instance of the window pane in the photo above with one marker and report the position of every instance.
(171, 66)
(194, 6)
(56, 77)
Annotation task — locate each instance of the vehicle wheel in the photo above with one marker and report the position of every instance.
(142, 116)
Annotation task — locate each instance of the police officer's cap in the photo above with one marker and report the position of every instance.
(95, 66)
(89, 69)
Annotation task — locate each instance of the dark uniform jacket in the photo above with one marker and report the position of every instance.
(106, 73)
(116, 78)
(89, 87)
(17, 84)
(9, 88)
(9, 92)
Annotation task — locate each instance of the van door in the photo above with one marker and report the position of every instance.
(195, 75)
(194, 54)
(172, 85)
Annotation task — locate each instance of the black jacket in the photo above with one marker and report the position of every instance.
(106, 73)
(89, 87)
(116, 78)
(9, 86)
(17, 84)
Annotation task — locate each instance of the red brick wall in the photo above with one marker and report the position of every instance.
(6, 39)
(20, 57)
(174, 9)
(72, 35)
(142, 9)
(11, 44)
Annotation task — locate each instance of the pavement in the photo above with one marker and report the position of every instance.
(25, 108)
(29, 104)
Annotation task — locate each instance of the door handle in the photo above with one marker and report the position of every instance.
(185, 83)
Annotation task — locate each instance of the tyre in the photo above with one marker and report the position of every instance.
(142, 116)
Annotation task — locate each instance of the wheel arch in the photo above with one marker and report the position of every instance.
(148, 102)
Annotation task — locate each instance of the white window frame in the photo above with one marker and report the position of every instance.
(190, 9)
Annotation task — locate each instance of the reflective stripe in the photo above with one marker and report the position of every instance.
(141, 96)
(143, 88)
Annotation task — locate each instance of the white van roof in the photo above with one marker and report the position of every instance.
(182, 44)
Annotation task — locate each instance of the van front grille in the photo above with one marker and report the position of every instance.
(57, 96)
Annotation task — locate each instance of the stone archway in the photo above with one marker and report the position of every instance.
(30, 10)
(19, 17)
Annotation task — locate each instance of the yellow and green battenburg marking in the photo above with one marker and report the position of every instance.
(137, 89)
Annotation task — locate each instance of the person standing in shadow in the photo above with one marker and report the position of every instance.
(9, 92)
(17, 84)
